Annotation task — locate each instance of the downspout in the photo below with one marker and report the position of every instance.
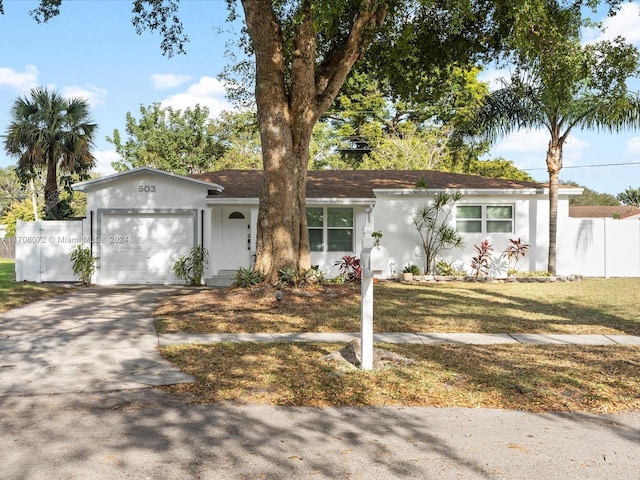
(202, 228)
(91, 232)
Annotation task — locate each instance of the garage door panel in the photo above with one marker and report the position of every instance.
(142, 248)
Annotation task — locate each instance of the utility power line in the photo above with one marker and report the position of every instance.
(587, 166)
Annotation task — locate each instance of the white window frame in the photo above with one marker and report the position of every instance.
(483, 219)
(325, 228)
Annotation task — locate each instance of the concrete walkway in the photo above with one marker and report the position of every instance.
(416, 338)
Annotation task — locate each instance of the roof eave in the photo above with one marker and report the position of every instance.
(88, 184)
(463, 191)
(315, 201)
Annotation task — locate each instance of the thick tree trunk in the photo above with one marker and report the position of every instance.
(51, 196)
(554, 164)
(290, 100)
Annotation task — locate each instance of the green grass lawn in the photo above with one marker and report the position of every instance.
(529, 377)
(591, 306)
(14, 294)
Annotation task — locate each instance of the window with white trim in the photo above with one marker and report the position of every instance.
(484, 218)
(330, 229)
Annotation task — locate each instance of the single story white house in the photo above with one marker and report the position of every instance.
(141, 221)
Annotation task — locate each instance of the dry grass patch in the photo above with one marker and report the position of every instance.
(527, 377)
(13, 295)
(592, 306)
(237, 310)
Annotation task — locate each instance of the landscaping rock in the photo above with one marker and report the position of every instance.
(348, 358)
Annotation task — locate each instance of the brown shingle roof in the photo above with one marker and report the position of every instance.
(358, 183)
(603, 212)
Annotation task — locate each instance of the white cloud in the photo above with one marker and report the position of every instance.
(103, 161)
(625, 23)
(524, 141)
(633, 145)
(21, 81)
(169, 80)
(94, 95)
(528, 148)
(207, 92)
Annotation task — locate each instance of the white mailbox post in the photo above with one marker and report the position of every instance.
(366, 311)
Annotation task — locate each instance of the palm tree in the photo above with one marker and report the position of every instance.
(49, 132)
(584, 89)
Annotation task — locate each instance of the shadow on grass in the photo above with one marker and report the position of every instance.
(522, 377)
(591, 306)
(587, 307)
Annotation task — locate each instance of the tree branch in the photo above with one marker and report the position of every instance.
(340, 60)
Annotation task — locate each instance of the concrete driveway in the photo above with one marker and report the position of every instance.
(89, 340)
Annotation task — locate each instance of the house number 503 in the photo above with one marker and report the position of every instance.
(146, 188)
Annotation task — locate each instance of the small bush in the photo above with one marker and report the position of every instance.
(446, 269)
(190, 268)
(83, 263)
(350, 268)
(339, 280)
(480, 263)
(288, 276)
(414, 269)
(313, 276)
(518, 273)
(247, 277)
(517, 249)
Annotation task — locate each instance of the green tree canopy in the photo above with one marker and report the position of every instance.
(172, 140)
(383, 132)
(630, 197)
(50, 133)
(590, 198)
(498, 168)
(10, 188)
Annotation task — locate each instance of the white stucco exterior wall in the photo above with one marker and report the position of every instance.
(393, 215)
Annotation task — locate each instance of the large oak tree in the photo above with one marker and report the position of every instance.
(303, 51)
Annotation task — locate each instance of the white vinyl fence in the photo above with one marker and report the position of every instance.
(599, 247)
(592, 247)
(43, 248)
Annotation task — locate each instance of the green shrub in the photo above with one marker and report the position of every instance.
(247, 277)
(414, 269)
(531, 274)
(190, 268)
(288, 276)
(83, 263)
(446, 269)
(313, 275)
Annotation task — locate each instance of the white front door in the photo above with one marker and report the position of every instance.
(236, 238)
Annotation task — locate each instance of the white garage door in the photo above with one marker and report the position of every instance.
(141, 248)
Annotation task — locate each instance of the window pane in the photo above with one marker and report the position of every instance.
(498, 226)
(340, 240)
(469, 211)
(467, 226)
(340, 217)
(315, 240)
(503, 211)
(314, 217)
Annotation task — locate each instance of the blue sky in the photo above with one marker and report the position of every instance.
(91, 50)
